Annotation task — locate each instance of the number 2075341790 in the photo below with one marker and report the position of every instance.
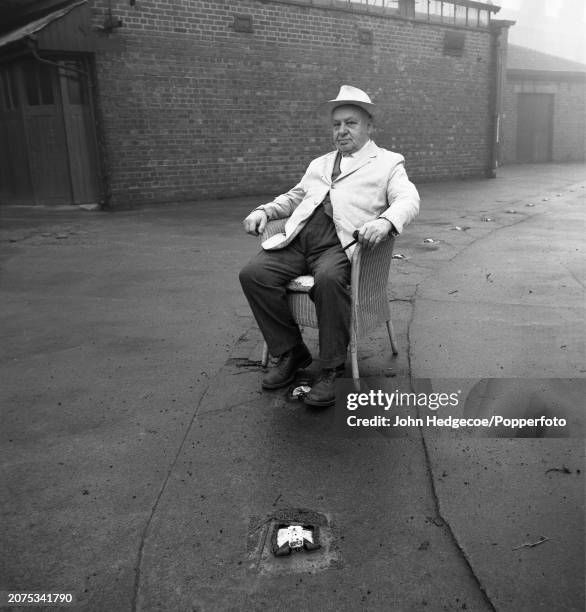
(36, 598)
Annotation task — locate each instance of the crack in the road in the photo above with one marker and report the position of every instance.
(580, 282)
(452, 535)
(434, 493)
(145, 532)
(229, 408)
(430, 473)
(467, 561)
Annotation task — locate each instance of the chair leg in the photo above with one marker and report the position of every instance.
(392, 337)
(354, 355)
(265, 355)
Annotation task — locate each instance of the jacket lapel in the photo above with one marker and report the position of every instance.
(328, 166)
(369, 155)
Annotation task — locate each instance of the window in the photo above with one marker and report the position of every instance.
(454, 12)
(76, 92)
(448, 12)
(8, 90)
(38, 83)
(460, 15)
(435, 8)
(421, 9)
(483, 18)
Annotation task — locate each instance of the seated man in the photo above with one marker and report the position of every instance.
(360, 186)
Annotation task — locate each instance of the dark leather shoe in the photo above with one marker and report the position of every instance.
(284, 372)
(323, 392)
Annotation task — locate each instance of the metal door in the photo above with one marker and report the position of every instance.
(534, 127)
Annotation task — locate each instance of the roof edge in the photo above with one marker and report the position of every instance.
(546, 75)
(37, 25)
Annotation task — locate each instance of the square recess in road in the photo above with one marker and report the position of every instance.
(261, 540)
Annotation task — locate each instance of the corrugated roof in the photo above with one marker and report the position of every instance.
(523, 58)
(37, 25)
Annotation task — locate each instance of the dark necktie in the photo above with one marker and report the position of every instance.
(336, 171)
(335, 174)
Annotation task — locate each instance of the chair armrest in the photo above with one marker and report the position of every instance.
(371, 266)
(369, 281)
(273, 227)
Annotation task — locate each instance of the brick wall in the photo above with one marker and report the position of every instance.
(193, 109)
(569, 116)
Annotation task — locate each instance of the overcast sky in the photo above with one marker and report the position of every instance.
(552, 26)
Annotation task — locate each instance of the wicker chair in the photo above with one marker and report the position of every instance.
(370, 304)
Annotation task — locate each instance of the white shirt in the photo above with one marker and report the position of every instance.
(346, 161)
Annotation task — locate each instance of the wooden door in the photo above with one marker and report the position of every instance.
(48, 144)
(534, 127)
(15, 183)
(80, 131)
(45, 134)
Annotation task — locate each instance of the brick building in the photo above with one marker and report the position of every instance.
(544, 108)
(128, 101)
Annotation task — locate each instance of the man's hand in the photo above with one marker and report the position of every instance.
(256, 222)
(374, 232)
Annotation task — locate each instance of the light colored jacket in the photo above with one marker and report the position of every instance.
(376, 185)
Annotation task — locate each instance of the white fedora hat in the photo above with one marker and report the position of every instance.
(351, 95)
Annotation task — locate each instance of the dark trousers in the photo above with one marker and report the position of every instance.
(316, 251)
